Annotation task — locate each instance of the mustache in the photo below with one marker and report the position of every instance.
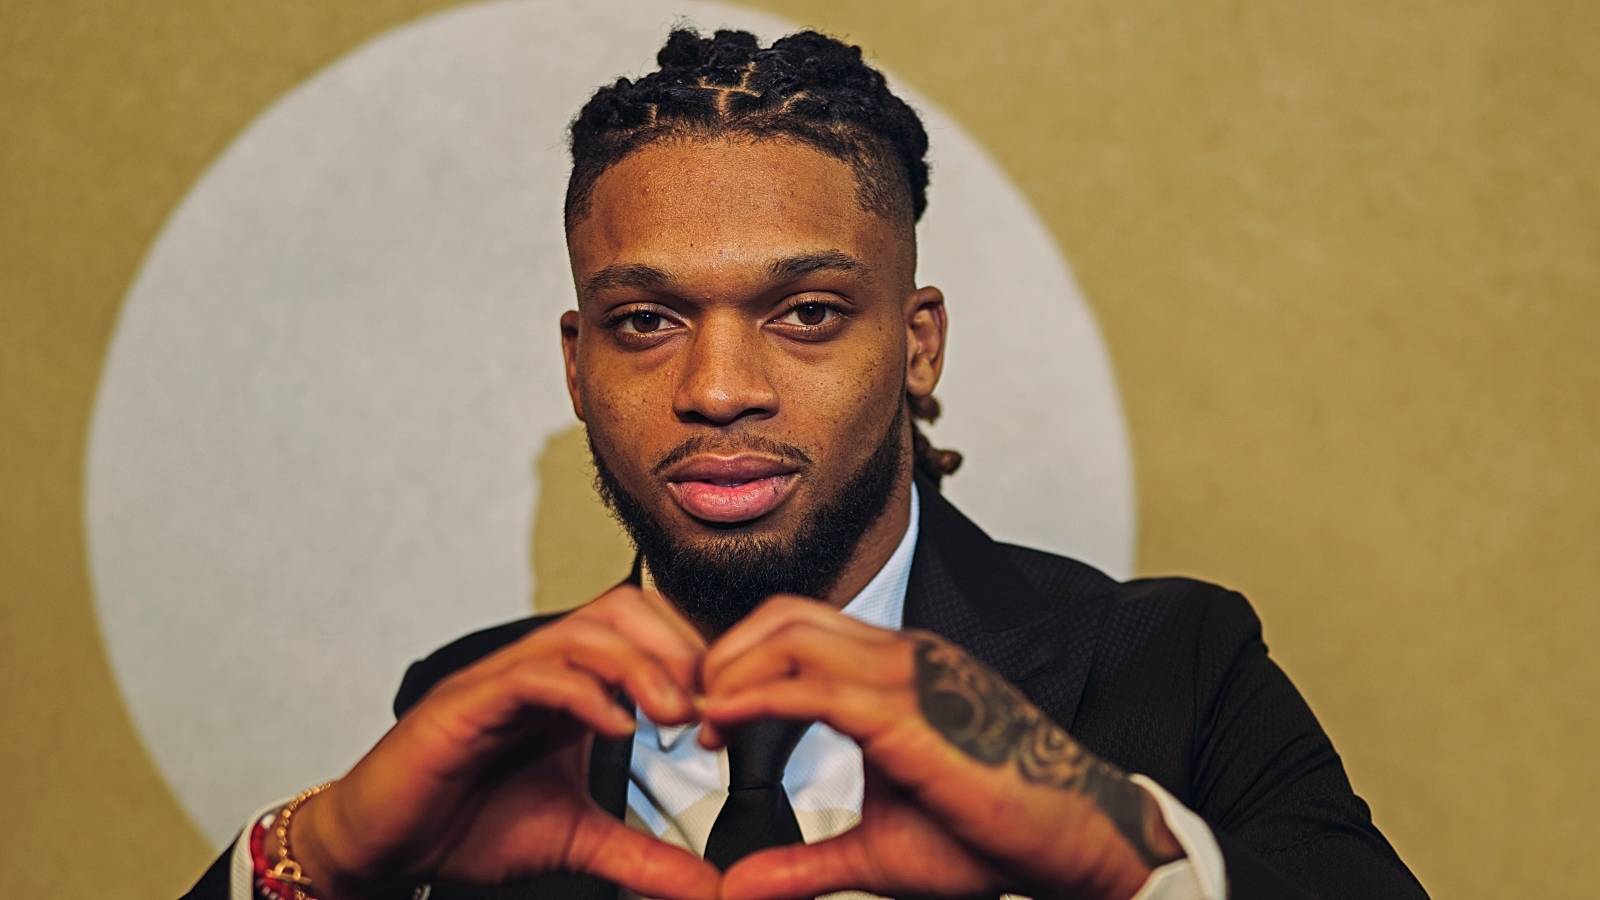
(723, 446)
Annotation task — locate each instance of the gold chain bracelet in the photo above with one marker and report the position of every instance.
(286, 870)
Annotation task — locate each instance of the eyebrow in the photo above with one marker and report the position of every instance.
(634, 275)
(789, 268)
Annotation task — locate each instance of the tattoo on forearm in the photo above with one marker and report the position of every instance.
(990, 721)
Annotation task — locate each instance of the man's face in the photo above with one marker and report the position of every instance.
(744, 343)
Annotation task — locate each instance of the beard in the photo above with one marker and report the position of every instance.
(716, 582)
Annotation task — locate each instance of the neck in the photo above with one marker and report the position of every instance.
(876, 545)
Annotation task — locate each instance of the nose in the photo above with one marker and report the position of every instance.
(724, 376)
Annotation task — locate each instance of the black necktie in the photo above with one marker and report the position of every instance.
(757, 813)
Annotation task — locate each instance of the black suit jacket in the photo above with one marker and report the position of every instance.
(1166, 677)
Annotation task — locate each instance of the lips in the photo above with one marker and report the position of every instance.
(730, 489)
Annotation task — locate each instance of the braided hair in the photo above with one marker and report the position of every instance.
(806, 87)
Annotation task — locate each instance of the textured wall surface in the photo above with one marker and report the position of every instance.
(1345, 257)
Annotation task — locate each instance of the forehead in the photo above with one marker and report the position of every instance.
(706, 206)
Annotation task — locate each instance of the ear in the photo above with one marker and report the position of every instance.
(926, 327)
(570, 323)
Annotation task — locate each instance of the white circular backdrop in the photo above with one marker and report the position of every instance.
(311, 455)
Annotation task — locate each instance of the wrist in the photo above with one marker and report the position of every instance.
(277, 869)
(309, 851)
(317, 844)
(312, 837)
(1123, 871)
(1115, 844)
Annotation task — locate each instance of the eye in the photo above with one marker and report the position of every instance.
(810, 315)
(640, 322)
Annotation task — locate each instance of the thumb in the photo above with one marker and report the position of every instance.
(642, 863)
(804, 870)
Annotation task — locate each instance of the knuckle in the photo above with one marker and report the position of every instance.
(529, 671)
(824, 689)
(517, 649)
(625, 596)
(564, 639)
(546, 680)
(895, 668)
(585, 634)
(586, 844)
(619, 597)
(781, 604)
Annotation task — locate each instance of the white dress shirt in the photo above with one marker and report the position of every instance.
(676, 788)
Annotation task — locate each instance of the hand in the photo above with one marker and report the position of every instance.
(970, 789)
(486, 779)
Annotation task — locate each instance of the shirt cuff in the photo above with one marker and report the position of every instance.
(242, 871)
(1200, 876)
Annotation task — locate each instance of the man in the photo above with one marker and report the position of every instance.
(748, 354)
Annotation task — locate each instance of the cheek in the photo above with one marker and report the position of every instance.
(624, 412)
(850, 402)
(881, 373)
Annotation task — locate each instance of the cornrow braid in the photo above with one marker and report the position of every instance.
(806, 87)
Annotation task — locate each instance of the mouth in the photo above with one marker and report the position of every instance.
(731, 490)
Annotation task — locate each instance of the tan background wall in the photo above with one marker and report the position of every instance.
(1346, 258)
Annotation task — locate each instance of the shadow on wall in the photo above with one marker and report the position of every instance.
(578, 550)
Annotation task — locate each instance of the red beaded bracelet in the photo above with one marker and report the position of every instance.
(283, 879)
(267, 887)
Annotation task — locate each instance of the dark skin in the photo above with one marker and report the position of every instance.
(737, 291)
(728, 267)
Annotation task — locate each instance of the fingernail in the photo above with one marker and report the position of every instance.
(670, 694)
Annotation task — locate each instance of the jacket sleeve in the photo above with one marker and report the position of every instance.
(214, 884)
(1267, 778)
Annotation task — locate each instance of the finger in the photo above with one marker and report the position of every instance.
(674, 617)
(857, 711)
(777, 613)
(846, 863)
(604, 846)
(805, 870)
(655, 626)
(624, 612)
(710, 737)
(802, 648)
(621, 663)
(490, 712)
(917, 860)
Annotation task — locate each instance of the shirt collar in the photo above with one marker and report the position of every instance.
(881, 603)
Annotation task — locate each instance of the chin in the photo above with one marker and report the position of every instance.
(715, 572)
